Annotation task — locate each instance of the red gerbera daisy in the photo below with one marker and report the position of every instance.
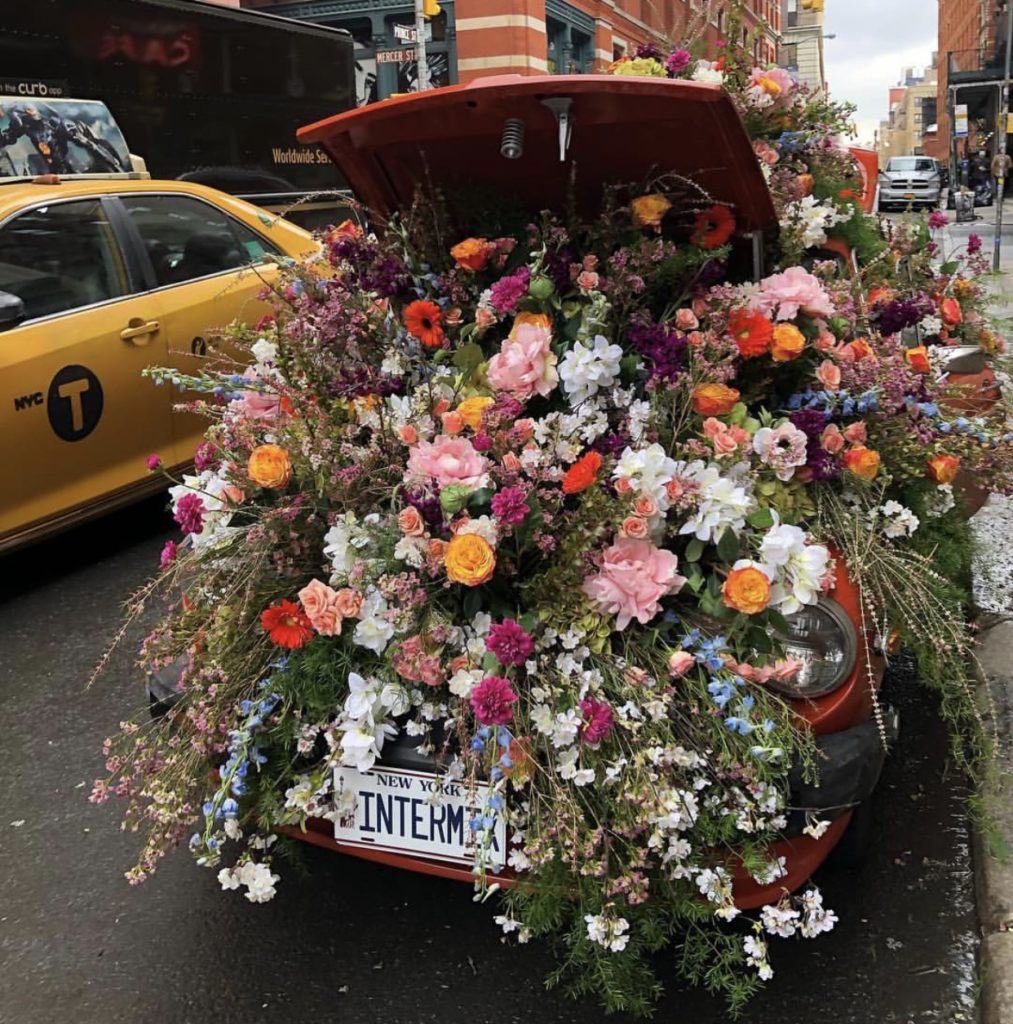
(287, 624)
(422, 321)
(714, 226)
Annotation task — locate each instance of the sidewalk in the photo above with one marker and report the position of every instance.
(993, 594)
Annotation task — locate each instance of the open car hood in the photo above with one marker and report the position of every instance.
(621, 129)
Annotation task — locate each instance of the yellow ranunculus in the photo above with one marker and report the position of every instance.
(746, 590)
(270, 467)
(648, 211)
(469, 559)
(471, 409)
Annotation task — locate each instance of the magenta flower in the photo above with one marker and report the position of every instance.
(508, 291)
(481, 442)
(938, 219)
(168, 555)
(678, 61)
(510, 643)
(190, 513)
(154, 461)
(204, 457)
(492, 701)
(509, 506)
(598, 720)
(973, 244)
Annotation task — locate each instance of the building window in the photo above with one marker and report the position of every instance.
(792, 13)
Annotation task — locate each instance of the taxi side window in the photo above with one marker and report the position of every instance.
(60, 257)
(187, 239)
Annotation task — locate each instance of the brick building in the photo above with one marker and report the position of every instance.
(472, 38)
(911, 123)
(970, 62)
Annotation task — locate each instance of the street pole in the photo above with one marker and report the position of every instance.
(421, 69)
(1002, 130)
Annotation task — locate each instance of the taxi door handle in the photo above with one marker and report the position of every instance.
(139, 329)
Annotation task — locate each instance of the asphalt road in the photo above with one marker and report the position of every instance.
(354, 943)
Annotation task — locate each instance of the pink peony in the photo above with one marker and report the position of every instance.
(526, 364)
(492, 701)
(788, 293)
(598, 720)
(448, 460)
(634, 576)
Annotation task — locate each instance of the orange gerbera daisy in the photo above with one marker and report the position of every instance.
(582, 474)
(286, 624)
(422, 321)
(714, 226)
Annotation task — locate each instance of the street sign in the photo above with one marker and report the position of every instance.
(960, 120)
(395, 56)
(409, 34)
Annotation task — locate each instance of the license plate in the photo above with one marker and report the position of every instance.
(909, 195)
(409, 812)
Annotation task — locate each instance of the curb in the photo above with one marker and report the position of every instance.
(994, 877)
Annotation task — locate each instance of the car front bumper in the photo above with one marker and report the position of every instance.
(904, 196)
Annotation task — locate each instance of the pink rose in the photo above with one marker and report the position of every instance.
(315, 597)
(448, 460)
(589, 262)
(526, 364)
(484, 318)
(645, 507)
(832, 440)
(855, 433)
(679, 663)
(685, 320)
(724, 443)
(587, 280)
(348, 602)
(410, 523)
(700, 306)
(327, 622)
(634, 576)
(829, 375)
(634, 526)
(511, 462)
(408, 434)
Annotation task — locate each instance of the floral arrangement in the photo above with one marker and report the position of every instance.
(543, 502)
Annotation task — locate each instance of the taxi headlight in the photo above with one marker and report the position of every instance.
(823, 638)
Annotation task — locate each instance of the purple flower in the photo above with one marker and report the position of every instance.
(598, 720)
(678, 61)
(508, 641)
(508, 291)
(492, 701)
(168, 555)
(190, 513)
(893, 317)
(204, 457)
(973, 244)
(509, 505)
(650, 50)
(664, 346)
(429, 508)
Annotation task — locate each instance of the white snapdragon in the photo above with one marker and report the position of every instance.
(608, 932)
(813, 217)
(648, 471)
(338, 546)
(723, 503)
(585, 370)
(365, 720)
(373, 631)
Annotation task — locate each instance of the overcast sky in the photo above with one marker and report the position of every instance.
(875, 40)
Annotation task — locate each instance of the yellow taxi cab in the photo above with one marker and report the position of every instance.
(100, 278)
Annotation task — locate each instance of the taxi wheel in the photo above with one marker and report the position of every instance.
(856, 842)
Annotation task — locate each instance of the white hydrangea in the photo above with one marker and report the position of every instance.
(586, 370)
(648, 471)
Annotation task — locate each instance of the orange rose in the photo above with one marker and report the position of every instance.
(270, 467)
(746, 590)
(918, 359)
(531, 320)
(469, 559)
(862, 461)
(648, 211)
(453, 422)
(471, 409)
(806, 183)
(950, 311)
(410, 522)
(943, 468)
(860, 349)
(471, 254)
(714, 399)
(788, 343)
(582, 474)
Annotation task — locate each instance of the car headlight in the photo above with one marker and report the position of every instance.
(822, 637)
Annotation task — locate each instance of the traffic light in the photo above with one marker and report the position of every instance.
(431, 9)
